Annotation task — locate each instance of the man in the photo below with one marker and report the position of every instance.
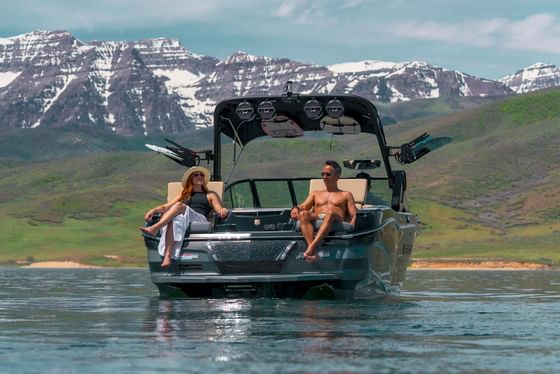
(331, 205)
(371, 198)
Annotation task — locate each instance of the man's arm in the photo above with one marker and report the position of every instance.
(307, 204)
(351, 208)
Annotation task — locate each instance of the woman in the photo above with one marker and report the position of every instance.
(193, 204)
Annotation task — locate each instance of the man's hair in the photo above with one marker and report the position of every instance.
(363, 175)
(335, 166)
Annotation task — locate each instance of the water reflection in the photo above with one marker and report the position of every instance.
(251, 328)
(212, 320)
(320, 328)
(111, 321)
(165, 322)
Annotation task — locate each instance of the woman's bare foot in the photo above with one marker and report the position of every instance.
(149, 230)
(166, 262)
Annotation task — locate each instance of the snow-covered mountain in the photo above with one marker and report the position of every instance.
(533, 78)
(52, 79)
(391, 82)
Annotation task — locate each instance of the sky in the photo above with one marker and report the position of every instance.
(486, 38)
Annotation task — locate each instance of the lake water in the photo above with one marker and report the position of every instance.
(101, 321)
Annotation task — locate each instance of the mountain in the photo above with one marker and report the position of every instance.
(533, 78)
(53, 80)
(50, 79)
(392, 82)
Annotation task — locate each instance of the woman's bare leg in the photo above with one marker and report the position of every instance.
(175, 210)
(169, 242)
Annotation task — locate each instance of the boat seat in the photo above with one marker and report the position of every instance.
(199, 227)
(175, 188)
(357, 186)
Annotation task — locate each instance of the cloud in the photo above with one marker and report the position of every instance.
(302, 11)
(136, 14)
(286, 9)
(351, 3)
(538, 32)
(82, 14)
(317, 11)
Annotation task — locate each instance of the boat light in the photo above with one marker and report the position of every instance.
(334, 108)
(245, 111)
(266, 110)
(313, 109)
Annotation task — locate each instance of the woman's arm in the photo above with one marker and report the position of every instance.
(216, 204)
(161, 208)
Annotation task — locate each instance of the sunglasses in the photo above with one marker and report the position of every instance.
(326, 174)
(197, 175)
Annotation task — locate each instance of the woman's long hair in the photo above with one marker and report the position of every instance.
(187, 192)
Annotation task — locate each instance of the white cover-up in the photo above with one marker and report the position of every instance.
(179, 224)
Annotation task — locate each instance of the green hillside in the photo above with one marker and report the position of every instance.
(502, 164)
(500, 176)
(429, 108)
(492, 193)
(47, 144)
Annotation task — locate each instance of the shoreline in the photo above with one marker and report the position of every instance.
(417, 264)
(60, 265)
(475, 264)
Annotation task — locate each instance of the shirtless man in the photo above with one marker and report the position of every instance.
(331, 205)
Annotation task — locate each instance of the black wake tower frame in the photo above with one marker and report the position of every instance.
(187, 157)
(243, 119)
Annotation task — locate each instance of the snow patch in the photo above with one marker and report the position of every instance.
(177, 77)
(8, 77)
(67, 79)
(360, 66)
(241, 57)
(111, 119)
(200, 112)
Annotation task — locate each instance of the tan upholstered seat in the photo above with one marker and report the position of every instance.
(175, 188)
(358, 188)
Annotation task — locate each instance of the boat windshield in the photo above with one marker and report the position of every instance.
(273, 173)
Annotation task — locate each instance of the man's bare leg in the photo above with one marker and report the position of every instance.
(306, 219)
(169, 242)
(175, 210)
(326, 226)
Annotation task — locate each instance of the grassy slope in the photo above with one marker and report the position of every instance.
(429, 108)
(500, 175)
(454, 233)
(79, 208)
(492, 193)
(47, 144)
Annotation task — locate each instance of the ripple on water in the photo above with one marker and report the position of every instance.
(112, 320)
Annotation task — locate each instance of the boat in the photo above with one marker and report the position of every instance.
(257, 251)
